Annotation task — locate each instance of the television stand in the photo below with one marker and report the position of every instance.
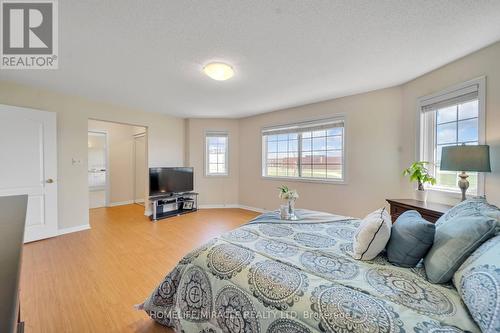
(173, 205)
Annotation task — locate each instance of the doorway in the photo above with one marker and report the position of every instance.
(97, 169)
(117, 164)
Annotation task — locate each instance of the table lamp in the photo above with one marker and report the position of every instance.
(465, 158)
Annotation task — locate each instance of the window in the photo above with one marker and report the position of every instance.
(312, 150)
(451, 118)
(216, 156)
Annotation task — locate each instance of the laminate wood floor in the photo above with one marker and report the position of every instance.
(89, 281)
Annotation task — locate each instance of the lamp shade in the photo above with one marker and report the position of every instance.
(466, 158)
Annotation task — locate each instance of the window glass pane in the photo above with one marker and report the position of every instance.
(282, 137)
(281, 171)
(319, 143)
(468, 110)
(293, 171)
(447, 114)
(306, 158)
(334, 142)
(222, 140)
(282, 146)
(212, 168)
(319, 171)
(319, 133)
(272, 147)
(446, 178)
(212, 140)
(306, 144)
(319, 157)
(335, 131)
(272, 137)
(467, 130)
(306, 171)
(293, 145)
(293, 136)
(221, 159)
(306, 134)
(212, 158)
(447, 133)
(212, 148)
(272, 158)
(221, 149)
(271, 171)
(221, 168)
(282, 157)
(334, 171)
(334, 157)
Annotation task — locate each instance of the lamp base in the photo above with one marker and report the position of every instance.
(463, 184)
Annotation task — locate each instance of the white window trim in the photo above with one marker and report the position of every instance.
(445, 94)
(342, 181)
(216, 133)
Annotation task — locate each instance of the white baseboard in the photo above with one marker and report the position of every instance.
(215, 206)
(254, 209)
(69, 230)
(121, 203)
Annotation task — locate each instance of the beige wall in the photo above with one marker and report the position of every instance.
(165, 144)
(214, 190)
(484, 62)
(381, 141)
(372, 148)
(121, 159)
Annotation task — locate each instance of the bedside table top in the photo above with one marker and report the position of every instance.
(415, 204)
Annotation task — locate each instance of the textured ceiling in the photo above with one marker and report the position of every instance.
(149, 54)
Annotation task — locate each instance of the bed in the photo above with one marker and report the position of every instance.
(279, 276)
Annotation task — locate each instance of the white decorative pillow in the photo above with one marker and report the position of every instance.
(372, 235)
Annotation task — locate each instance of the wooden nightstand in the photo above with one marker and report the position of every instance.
(430, 211)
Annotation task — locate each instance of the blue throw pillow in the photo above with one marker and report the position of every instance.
(411, 238)
(455, 240)
(478, 283)
(471, 207)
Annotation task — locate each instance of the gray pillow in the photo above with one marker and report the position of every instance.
(454, 241)
(411, 238)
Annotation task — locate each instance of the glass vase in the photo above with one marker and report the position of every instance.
(291, 210)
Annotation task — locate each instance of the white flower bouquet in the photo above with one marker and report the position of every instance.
(288, 194)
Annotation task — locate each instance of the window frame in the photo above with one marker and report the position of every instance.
(207, 135)
(431, 127)
(337, 118)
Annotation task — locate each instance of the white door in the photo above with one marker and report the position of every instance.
(28, 155)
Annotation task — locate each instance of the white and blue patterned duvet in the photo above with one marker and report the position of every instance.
(274, 276)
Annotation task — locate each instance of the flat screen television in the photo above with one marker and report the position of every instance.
(165, 181)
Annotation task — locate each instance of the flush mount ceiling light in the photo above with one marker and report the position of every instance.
(219, 71)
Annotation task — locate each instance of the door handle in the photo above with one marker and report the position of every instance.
(49, 181)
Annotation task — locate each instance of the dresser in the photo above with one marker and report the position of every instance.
(430, 211)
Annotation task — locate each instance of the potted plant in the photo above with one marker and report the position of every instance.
(419, 173)
(290, 196)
